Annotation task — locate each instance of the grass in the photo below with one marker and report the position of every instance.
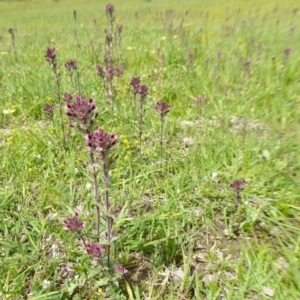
(176, 234)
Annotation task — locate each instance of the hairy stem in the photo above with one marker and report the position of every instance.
(60, 103)
(141, 128)
(107, 204)
(96, 196)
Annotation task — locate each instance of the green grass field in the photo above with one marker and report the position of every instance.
(183, 232)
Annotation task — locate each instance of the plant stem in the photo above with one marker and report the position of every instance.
(134, 112)
(60, 103)
(78, 82)
(108, 218)
(96, 196)
(161, 138)
(141, 128)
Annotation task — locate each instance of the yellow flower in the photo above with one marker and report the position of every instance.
(129, 48)
(163, 38)
(125, 141)
(30, 170)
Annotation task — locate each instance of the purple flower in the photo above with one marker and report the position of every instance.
(101, 142)
(93, 250)
(120, 269)
(119, 28)
(107, 58)
(287, 52)
(162, 107)
(238, 185)
(118, 209)
(50, 55)
(109, 9)
(82, 110)
(74, 224)
(71, 65)
(119, 71)
(142, 90)
(49, 109)
(135, 81)
(108, 38)
(101, 71)
(110, 71)
(68, 97)
(200, 100)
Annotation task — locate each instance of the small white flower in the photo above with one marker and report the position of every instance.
(88, 186)
(214, 175)
(46, 284)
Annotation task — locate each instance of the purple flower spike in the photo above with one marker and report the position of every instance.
(142, 90)
(101, 142)
(238, 185)
(119, 28)
(81, 113)
(74, 224)
(49, 109)
(71, 65)
(120, 269)
(81, 109)
(162, 107)
(50, 55)
(109, 9)
(93, 250)
(135, 81)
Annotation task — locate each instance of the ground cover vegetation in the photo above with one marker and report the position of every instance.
(149, 150)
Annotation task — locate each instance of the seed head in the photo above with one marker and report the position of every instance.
(11, 31)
